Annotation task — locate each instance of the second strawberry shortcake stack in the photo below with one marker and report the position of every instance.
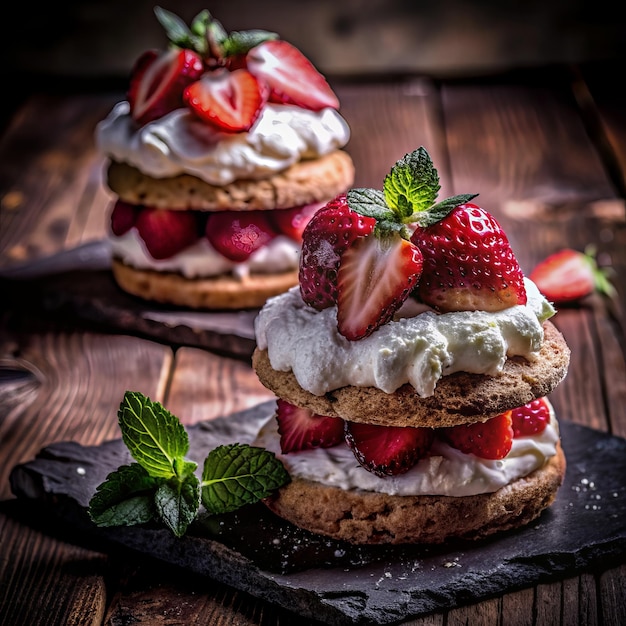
(412, 366)
(226, 145)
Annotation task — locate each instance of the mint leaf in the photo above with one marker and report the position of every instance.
(177, 502)
(412, 185)
(154, 437)
(239, 474)
(241, 42)
(124, 498)
(369, 202)
(438, 211)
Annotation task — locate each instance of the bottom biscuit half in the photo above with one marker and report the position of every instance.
(361, 517)
(220, 292)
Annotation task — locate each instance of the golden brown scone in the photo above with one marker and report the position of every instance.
(314, 180)
(459, 398)
(221, 292)
(363, 517)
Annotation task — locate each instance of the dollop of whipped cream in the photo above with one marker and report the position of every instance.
(445, 471)
(418, 350)
(180, 142)
(202, 260)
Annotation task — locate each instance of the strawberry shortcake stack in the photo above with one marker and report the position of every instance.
(225, 147)
(412, 366)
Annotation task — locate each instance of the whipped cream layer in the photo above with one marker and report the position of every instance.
(180, 142)
(201, 260)
(418, 350)
(446, 471)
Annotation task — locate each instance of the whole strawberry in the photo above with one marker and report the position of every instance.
(468, 262)
(166, 233)
(530, 419)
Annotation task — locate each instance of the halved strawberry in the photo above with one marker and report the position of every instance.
(569, 275)
(232, 101)
(331, 230)
(387, 450)
(468, 263)
(292, 222)
(158, 80)
(237, 234)
(489, 440)
(292, 78)
(123, 217)
(376, 275)
(301, 429)
(166, 233)
(530, 419)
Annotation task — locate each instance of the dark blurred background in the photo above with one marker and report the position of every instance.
(89, 40)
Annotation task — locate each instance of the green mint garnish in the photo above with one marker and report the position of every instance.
(124, 498)
(207, 36)
(162, 486)
(237, 474)
(155, 438)
(408, 196)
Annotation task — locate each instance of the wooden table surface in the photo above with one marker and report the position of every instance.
(546, 151)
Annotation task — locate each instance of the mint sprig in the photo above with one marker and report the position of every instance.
(206, 35)
(161, 486)
(236, 474)
(408, 196)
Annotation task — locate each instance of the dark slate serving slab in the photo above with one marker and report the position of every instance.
(336, 583)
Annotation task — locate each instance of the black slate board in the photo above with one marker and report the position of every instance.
(256, 552)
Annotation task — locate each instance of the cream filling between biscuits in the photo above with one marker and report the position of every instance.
(180, 143)
(418, 349)
(201, 260)
(446, 471)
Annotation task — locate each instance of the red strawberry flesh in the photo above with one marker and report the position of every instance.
(231, 101)
(292, 78)
(158, 80)
(387, 450)
(123, 217)
(238, 234)
(292, 222)
(325, 238)
(530, 419)
(301, 429)
(166, 233)
(376, 275)
(488, 440)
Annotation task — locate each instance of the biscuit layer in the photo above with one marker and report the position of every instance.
(458, 398)
(220, 292)
(362, 517)
(314, 180)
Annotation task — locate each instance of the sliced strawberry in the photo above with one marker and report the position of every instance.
(376, 275)
(530, 419)
(387, 450)
(301, 429)
(237, 234)
(488, 440)
(292, 222)
(569, 275)
(292, 78)
(158, 80)
(123, 217)
(331, 230)
(468, 263)
(232, 101)
(166, 233)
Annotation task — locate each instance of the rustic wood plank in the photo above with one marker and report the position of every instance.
(613, 596)
(66, 581)
(48, 152)
(205, 386)
(388, 120)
